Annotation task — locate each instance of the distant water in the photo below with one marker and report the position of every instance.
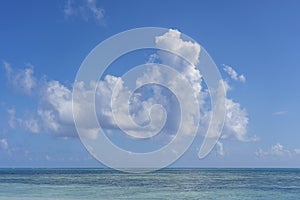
(187, 184)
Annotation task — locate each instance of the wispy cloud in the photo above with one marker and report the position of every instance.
(11, 117)
(283, 112)
(233, 74)
(4, 144)
(22, 80)
(84, 9)
(220, 148)
(30, 123)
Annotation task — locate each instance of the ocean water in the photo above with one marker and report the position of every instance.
(240, 184)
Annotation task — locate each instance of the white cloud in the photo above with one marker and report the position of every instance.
(6, 147)
(54, 113)
(85, 9)
(68, 10)
(49, 120)
(22, 80)
(4, 144)
(172, 41)
(297, 151)
(139, 108)
(59, 98)
(236, 119)
(7, 68)
(12, 118)
(233, 74)
(220, 149)
(277, 150)
(32, 125)
(48, 158)
(152, 58)
(191, 51)
(55, 110)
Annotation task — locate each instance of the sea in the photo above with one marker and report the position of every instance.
(227, 184)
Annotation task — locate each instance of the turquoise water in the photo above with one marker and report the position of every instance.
(165, 184)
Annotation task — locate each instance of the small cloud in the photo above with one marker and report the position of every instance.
(220, 149)
(48, 158)
(242, 78)
(297, 151)
(277, 150)
(22, 80)
(3, 144)
(12, 119)
(84, 9)
(233, 74)
(31, 125)
(153, 58)
(7, 68)
(280, 113)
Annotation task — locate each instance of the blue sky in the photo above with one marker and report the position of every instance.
(42, 45)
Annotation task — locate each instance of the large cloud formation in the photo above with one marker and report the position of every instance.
(54, 113)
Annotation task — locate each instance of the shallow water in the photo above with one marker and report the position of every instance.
(164, 184)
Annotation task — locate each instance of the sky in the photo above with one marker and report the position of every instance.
(254, 44)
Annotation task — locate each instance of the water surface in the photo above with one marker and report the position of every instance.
(205, 184)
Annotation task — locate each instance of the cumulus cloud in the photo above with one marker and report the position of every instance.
(235, 124)
(141, 108)
(112, 97)
(172, 41)
(236, 118)
(85, 9)
(54, 113)
(277, 150)
(22, 80)
(236, 121)
(55, 110)
(233, 74)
